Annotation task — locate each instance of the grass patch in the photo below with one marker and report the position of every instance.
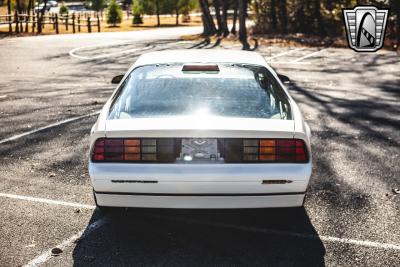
(126, 25)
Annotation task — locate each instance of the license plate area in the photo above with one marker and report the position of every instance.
(200, 150)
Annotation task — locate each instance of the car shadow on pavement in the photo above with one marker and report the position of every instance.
(155, 237)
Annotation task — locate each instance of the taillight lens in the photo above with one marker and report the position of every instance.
(133, 150)
(274, 150)
(167, 150)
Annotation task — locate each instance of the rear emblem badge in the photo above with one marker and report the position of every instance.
(200, 142)
(199, 149)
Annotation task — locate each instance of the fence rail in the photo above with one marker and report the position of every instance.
(19, 23)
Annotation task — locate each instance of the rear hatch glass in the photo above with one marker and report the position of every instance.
(231, 90)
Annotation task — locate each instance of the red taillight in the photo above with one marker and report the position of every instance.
(274, 150)
(98, 157)
(167, 150)
(116, 150)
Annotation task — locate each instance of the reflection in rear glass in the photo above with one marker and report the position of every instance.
(233, 91)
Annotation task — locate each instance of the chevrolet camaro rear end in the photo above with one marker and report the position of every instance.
(200, 129)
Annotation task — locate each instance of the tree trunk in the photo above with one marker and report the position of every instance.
(30, 3)
(224, 18)
(208, 22)
(398, 25)
(283, 15)
(217, 8)
(235, 15)
(158, 13)
(318, 17)
(177, 16)
(242, 24)
(40, 22)
(9, 7)
(300, 18)
(18, 4)
(9, 13)
(274, 21)
(395, 5)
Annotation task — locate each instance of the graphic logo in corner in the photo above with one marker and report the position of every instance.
(365, 27)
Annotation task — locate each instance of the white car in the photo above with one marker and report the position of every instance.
(52, 3)
(200, 129)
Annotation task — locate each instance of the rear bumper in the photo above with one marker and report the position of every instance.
(199, 201)
(199, 185)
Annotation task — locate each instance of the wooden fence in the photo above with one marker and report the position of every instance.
(76, 21)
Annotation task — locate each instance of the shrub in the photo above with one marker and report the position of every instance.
(63, 9)
(137, 10)
(97, 5)
(114, 14)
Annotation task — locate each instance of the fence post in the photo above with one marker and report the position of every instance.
(9, 22)
(89, 26)
(20, 19)
(73, 22)
(42, 22)
(16, 22)
(66, 22)
(33, 22)
(27, 22)
(21, 24)
(39, 23)
(98, 23)
(79, 22)
(56, 22)
(53, 20)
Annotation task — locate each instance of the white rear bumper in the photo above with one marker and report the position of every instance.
(199, 185)
(200, 202)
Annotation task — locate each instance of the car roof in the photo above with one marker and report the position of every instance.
(200, 56)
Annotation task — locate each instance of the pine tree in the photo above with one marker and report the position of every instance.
(137, 11)
(114, 14)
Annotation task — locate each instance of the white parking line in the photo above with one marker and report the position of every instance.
(287, 63)
(48, 201)
(72, 53)
(285, 53)
(47, 127)
(364, 243)
(308, 55)
(45, 256)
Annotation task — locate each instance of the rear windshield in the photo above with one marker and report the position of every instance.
(244, 91)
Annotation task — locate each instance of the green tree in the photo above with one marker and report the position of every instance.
(63, 9)
(97, 5)
(114, 14)
(137, 10)
(185, 6)
(177, 7)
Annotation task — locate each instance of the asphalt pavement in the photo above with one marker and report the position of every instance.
(50, 88)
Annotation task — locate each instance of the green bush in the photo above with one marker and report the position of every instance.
(114, 14)
(97, 5)
(137, 10)
(63, 9)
